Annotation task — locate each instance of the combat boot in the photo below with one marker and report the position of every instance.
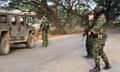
(107, 66)
(88, 56)
(46, 46)
(96, 68)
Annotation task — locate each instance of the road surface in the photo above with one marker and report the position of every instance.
(64, 54)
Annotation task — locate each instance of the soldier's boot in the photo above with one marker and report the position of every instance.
(107, 66)
(89, 56)
(46, 45)
(96, 68)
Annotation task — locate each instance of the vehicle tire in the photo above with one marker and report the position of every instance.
(4, 45)
(30, 41)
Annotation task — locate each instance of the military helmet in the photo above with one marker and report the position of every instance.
(91, 12)
(44, 15)
(85, 10)
(99, 9)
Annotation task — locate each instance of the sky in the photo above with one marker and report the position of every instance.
(4, 2)
(50, 3)
(91, 3)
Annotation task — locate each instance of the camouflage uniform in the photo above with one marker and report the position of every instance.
(84, 12)
(44, 27)
(99, 41)
(89, 39)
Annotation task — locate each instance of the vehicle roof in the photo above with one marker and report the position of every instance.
(12, 12)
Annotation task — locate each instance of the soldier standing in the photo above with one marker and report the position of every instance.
(98, 31)
(87, 13)
(89, 38)
(44, 27)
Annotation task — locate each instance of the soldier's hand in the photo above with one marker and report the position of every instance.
(89, 33)
(100, 36)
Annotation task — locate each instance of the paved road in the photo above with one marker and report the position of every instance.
(64, 54)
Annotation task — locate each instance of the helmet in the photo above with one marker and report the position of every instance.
(85, 10)
(99, 9)
(91, 12)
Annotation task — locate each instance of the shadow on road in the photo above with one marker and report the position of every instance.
(17, 47)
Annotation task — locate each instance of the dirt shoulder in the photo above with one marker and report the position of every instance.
(36, 38)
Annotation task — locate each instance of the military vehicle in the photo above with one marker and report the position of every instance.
(14, 29)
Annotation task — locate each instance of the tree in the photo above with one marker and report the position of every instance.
(112, 7)
(112, 10)
(60, 14)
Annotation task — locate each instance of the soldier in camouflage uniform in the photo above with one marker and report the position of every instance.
(88, 13)
(44, 27)
(89, 42)
(89, 39)
(98, 31)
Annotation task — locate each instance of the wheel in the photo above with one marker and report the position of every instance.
(30, 41)
(4, 45)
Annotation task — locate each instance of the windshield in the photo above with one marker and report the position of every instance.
(3, 18)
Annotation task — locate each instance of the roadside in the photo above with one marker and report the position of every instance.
(37, 38)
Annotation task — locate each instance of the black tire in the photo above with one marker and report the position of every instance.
(4, 45)
(30, 41)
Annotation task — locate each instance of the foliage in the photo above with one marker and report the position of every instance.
(112, 7)
(64, 12)
(112, 10)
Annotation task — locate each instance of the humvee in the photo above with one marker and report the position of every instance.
(14, 29)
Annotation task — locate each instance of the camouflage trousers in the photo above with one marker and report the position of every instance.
(98, 51)
(44, 38)
(89, 45)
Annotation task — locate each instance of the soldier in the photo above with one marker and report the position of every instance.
(98, 31)
(89, 39)
(44, 27)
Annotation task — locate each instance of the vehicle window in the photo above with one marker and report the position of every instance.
(3, 18)
(13, 20)
(22, 20)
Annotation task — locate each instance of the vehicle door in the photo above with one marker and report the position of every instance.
(13, 21)
(3, 22)
(22, 27)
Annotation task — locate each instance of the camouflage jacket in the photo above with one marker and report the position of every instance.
(44, 25)
(99, 27)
